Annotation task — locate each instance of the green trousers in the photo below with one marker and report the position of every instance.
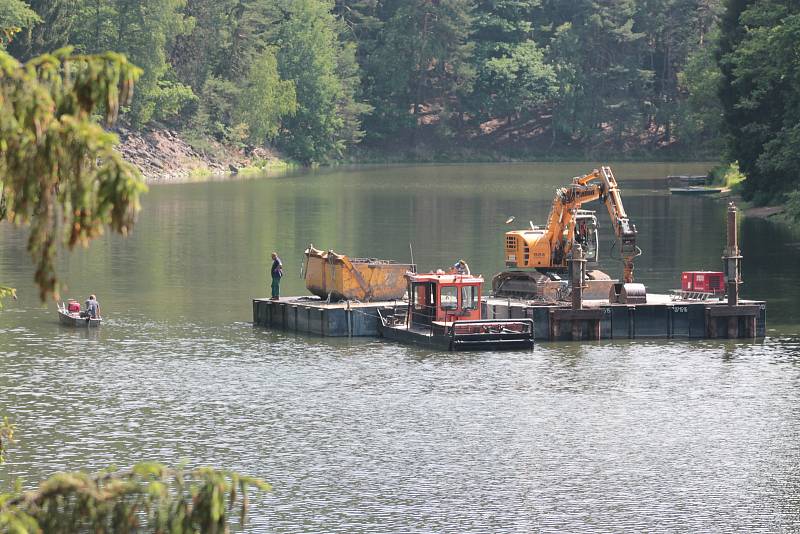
(276, 282)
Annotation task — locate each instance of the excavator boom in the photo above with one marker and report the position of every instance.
(547, 249)
(623, 228)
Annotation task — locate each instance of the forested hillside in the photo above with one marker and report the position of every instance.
(317, 77)
(322, 80)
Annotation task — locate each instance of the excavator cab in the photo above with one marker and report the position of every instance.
(586, 234)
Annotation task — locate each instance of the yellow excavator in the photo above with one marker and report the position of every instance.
(538, 255)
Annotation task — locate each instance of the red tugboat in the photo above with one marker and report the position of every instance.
(444, 311)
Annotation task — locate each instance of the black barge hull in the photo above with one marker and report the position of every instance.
(509, 334)
(662, 317)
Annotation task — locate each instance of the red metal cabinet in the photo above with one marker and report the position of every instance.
(703, 281)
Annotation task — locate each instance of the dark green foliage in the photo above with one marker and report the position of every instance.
(51, 33)
(421, 64)
(513, 80)
(147, 498)
(504, 21)
(672, 30)
(280, 72)
(204, 51)
(792, 207)
(512, 76)
(253, 26)
(59, 171)
(599, 47)
(14, 16)
(321, 66)
(360, 19)
(699, 114)
(144, 31)
(361, 27)
(215, 114)
(144, 28)
(594, 75)
(265, 99)
(761, 93)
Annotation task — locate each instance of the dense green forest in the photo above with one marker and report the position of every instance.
(323, 80)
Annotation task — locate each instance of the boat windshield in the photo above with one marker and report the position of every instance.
(448, 297)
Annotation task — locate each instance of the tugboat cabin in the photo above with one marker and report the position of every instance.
(438, 299)
(444, 311)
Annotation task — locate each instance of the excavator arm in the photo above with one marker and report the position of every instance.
(547, 248)
(624, 229)
(583, 189)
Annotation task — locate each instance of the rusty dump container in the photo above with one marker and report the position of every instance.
(364, 279)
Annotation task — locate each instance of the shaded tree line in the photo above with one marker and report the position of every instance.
(760, 96)
(588, 76)
(316, 77)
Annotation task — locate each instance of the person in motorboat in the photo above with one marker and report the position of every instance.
(92, 308)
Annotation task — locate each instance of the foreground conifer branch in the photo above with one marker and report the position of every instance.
(59, 171)
(147, 498)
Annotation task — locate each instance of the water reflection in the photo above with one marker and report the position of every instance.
(364, 436)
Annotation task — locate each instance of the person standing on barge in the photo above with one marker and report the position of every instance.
(277, 273)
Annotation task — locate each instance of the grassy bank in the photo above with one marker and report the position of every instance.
(728, 176)
(259, 166)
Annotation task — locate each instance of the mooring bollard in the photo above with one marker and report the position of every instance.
(732, 259)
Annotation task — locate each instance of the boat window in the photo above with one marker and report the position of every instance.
(448, 297)
(420, 298)
(469, 297)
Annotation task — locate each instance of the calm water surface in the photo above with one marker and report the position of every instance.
(365, 436)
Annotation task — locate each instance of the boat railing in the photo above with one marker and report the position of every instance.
(483, 327)
(682, 294)
(391, 318)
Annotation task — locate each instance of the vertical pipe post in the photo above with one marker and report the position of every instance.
(732, 259)
(577, 271)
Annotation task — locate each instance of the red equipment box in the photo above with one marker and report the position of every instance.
(703, 281)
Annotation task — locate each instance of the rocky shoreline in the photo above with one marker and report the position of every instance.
(164, 156)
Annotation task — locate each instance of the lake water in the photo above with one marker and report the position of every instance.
(365, 436)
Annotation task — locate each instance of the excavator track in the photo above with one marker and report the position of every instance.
(545, 286)
(526, 285)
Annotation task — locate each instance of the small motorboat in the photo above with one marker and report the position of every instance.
(70, 315)
(444, 312)
(694, 190)
(687, 181)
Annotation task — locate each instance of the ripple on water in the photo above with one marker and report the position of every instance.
(365, 436)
